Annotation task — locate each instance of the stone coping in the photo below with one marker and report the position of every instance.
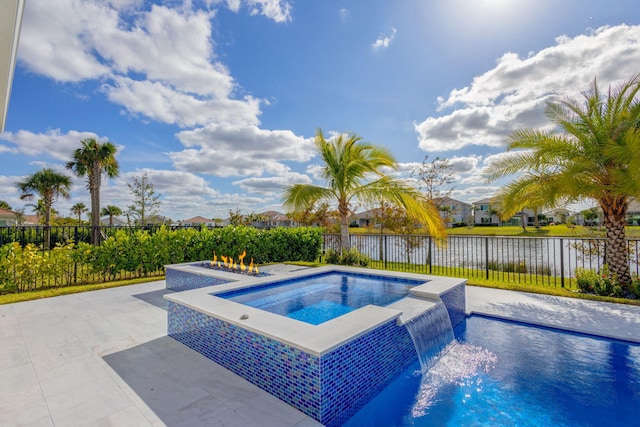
(319, 339)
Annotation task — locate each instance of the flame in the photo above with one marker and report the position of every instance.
(253, 267)
(228, 262)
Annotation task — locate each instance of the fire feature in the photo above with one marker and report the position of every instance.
(228, 262)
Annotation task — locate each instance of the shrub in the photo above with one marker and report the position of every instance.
(601, 283)
(350, 257)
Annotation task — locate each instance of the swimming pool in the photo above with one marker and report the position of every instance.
(502, 373)
(322, 297)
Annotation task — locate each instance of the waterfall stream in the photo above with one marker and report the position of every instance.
(431, 333)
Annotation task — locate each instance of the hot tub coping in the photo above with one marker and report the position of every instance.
(319, 339)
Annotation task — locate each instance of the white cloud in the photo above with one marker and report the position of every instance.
(164, 104)
(58, 145)
(278, 10)
(158, 63)
(234, 151)
(383, 41)
(514, 93)
(343, 14)
(272, 186)
(55, 39)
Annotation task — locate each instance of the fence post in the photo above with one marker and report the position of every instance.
(562, 263)
(385, 251)
(429, 257)
(486, 257)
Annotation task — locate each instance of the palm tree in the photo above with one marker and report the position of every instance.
(111, 211)
(49, 185)
(353, 172)
(5, 205)
(78, 209)
(594, 153)
(93, 159)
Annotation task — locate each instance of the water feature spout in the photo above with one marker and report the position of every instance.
(431, 333)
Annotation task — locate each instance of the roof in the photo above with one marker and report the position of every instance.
(6, 212)
(449, 201)
(275, 215)
(371, 213)
(485, 201)
(198, 219)
(10, 23)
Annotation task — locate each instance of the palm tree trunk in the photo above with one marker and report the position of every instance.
(615, 246)
(47, 226)
(94, 191)
(345, 243)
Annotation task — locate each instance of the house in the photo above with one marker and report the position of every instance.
(485, 212)
(633, 212)
(32, 220)
(366, 218)
(198, 221)
(558, 216)
(453, 211)
(8, 218)
(272, 219)
(117, 222)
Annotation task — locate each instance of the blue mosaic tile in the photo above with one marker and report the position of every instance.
(178, 280)
(456, 302)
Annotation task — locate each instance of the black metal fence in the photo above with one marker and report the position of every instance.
(526, 260)
(65, 233)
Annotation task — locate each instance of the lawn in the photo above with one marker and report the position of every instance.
(560, 230)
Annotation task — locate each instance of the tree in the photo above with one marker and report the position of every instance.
(435, 177)
(78, 209)
(111, 211)
(5, 205)
(353, 171)
(20, 216)
(146, 202)
(49, 185)
(235, 218)
(92, 160)
(592, 153)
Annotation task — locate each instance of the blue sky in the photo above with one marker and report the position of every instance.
(219, 100)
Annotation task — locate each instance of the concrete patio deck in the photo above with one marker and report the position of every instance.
(103, 358)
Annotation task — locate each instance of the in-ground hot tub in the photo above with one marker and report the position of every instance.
(328, 370)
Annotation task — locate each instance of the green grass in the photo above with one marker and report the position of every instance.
(560, 230)
(499, 280)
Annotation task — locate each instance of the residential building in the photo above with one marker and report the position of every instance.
(454, 211)
(117, 222)
(558, 216)
(366, 218)
(272, 219)
(7, 218)
(198, 221)
(485, 212)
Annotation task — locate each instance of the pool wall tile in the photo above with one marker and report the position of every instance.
(456, 302)
(177, 280)
(356, 372)
(331, 388)
(286, 372)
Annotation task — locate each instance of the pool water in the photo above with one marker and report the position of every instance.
(502, 373)
(321, 297)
